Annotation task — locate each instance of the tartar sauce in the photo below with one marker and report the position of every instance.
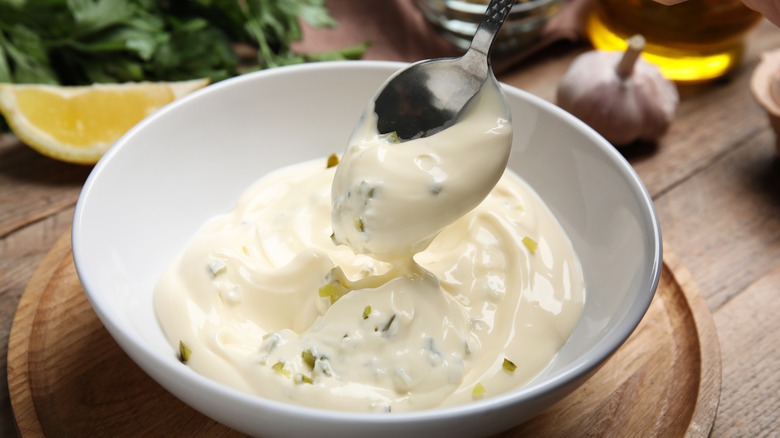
(390, 200)
(456, 281)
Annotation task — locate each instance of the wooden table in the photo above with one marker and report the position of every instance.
(715, 180)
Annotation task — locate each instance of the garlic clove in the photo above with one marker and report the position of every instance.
(620, 95)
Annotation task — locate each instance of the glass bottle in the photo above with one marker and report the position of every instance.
(457, 20)
(692, 41)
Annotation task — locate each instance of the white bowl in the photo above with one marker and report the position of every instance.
(191, 160)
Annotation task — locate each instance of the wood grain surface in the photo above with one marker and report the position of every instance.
(67, 377)
(714, 177)
(70, 379)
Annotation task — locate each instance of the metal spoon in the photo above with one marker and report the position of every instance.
(428, 96)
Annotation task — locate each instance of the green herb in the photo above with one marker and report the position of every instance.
(358, 224)
(79, 42)
(366, 312)
(370, 193)
(530, 244)
(509, 366)
(184, 352)
(389, 323)
(333, 160)
(324, 367)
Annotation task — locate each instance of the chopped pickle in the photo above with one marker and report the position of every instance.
(303, 378)
(509, 366)
(366, 312)
(244, 249)
(334, 291)
(358, 224)
(333, 160)
(184, 352)
(278, 367)
(530, 244)
(478, 391)
(390, 137)
(337, 285)
(308, 358)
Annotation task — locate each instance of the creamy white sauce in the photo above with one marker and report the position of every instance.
(390, 200)
(257, 294)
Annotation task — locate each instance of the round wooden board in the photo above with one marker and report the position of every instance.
(67, 376)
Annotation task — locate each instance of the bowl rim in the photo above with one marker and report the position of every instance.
(582, 367)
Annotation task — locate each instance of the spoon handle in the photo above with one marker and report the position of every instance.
(495, 14)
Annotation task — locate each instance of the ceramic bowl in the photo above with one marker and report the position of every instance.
(190, 161)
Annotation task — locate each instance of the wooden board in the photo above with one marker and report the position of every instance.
(67, 376)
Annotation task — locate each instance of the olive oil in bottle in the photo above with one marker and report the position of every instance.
(692, 41)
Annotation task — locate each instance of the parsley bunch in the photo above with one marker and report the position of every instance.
(77, 42)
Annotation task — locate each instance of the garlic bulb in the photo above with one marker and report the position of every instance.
(622, 97)
(765, 85)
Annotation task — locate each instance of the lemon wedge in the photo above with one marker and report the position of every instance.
(79, 124)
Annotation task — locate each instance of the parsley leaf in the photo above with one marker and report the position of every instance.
(76, 42)
(80, 42)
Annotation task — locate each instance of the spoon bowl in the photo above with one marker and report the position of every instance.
(429, 96)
